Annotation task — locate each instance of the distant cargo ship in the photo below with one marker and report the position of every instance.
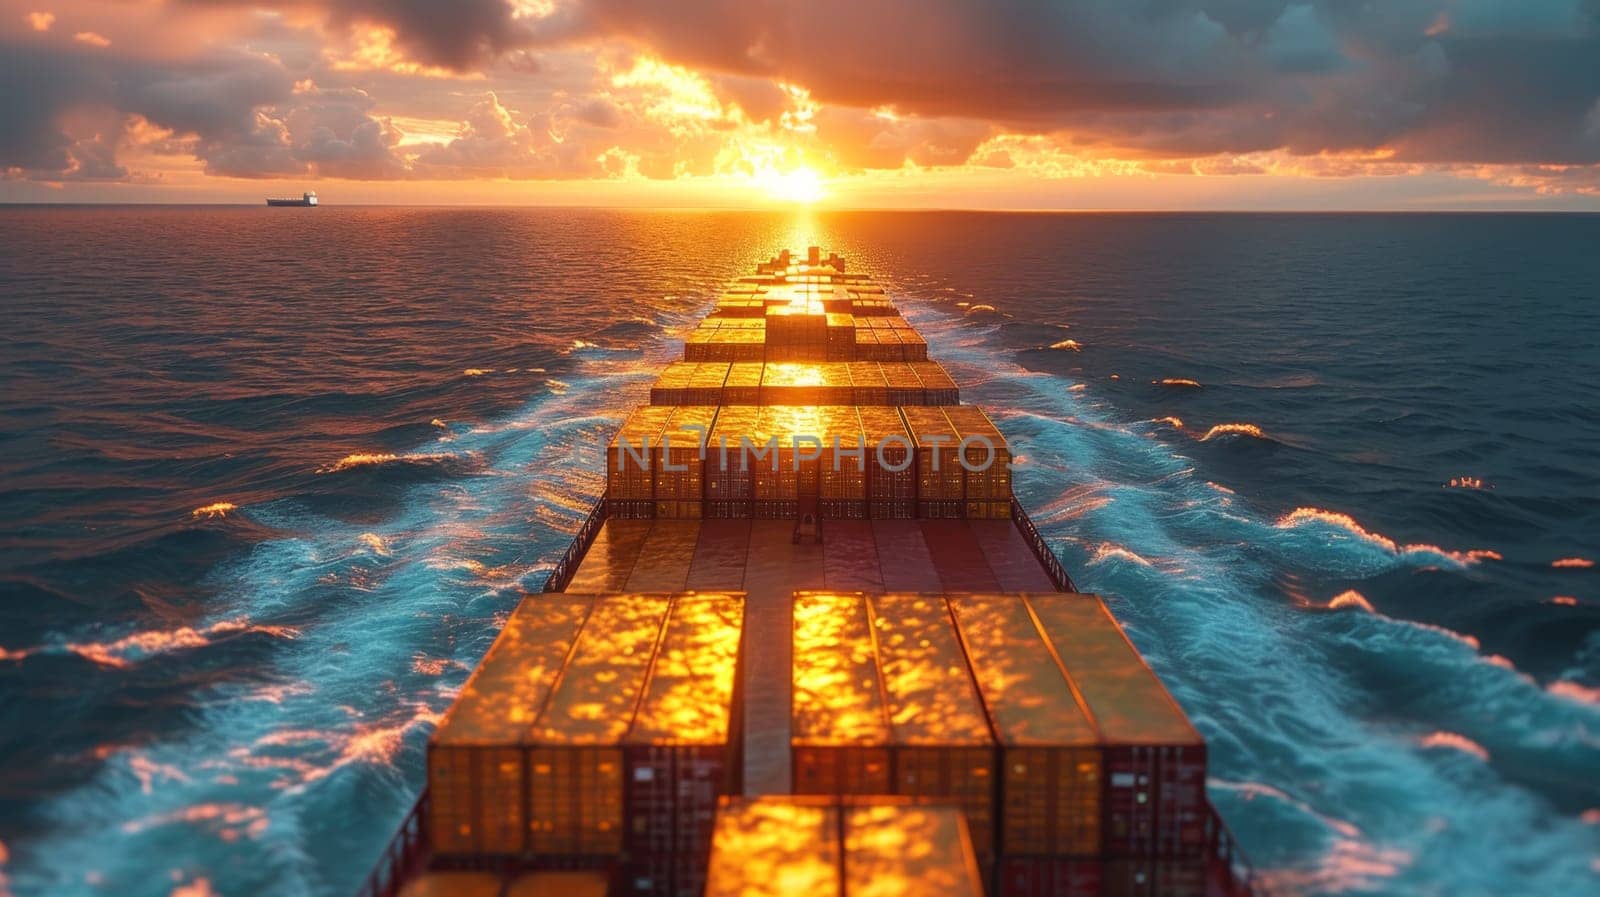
(306, 199)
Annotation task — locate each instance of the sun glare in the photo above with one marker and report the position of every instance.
(801, 185)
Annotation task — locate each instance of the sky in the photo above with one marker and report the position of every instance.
(1006, 104)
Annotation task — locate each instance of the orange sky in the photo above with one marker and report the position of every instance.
(1135, 104)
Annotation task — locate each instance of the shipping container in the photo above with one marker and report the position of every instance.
(706, 383)
(839, 729)
(743, 383)
(776, 847)
(841, 337)
(792, 444)
(580, 705)
(730, 475)
(942, 743)
(671, 388)
(988, 461)
(802, 383)
(629, 477)
(475, 756)
(680, 752)
(891, 463)
(905, 387)
(868, 385)
(678, 462)
(937, 385)
(883, 703)
(940, 480)
(1155, 761)
(1050, 759)
(842, 469)
(1156, 878)
(574, 754)
(841, 848)
(908, 850)
(1050, 876)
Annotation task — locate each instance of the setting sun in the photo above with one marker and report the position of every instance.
(800, 185)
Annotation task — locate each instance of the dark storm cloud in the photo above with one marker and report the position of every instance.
(1435, 80)
(454, 34)
(239, 114)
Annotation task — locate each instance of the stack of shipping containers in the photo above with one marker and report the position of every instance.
(891, 464)
(596, 734)
(940, 481)
(1077, 772)
(677, 461)
(630, 483)
(884, 704)
(986, 488)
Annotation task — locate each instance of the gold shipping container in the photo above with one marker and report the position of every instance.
(1049, 757)
(819, 847)
(743, 384)
(1155, 761)
(891, 462)
(905, 387)
(705, 384)
(475, 756)
(938, 386)
(842, 475)
(839, 725)
(984, 448)
(884, 702)
(671, 387)
(678, 461)
(943, 746)
(939, 473)
(628, 468)
(868, 383)
(775, 847)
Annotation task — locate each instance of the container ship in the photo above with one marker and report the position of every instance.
(306, 199)
(810, 643)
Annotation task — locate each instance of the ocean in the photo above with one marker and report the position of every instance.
(269, 480)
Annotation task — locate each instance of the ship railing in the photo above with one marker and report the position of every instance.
(561, 574)
(1041, 548)
(1240, 878)
(403, 856)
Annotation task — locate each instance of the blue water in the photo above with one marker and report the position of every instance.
(404, 408)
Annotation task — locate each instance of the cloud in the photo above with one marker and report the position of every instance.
(1435, 80)
(1508, 91)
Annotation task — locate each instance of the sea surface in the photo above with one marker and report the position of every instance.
(270, 479)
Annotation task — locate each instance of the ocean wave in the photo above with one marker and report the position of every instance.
(1343, 526)
(128, 650)
(1235, 430)
(368, 460)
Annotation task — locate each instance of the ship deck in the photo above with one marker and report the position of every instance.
(760, 558)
